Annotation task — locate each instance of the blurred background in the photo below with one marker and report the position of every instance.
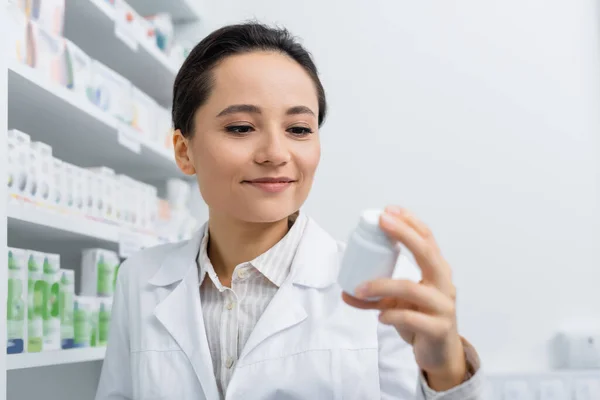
(481, 117)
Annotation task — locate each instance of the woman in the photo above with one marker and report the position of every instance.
(250, 308)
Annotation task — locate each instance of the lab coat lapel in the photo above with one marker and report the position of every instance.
(181, 315)
(314, 266)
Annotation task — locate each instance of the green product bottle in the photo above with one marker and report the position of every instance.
(35, 303)
(104, 315)
(51, 309)
(82, 321)
(66, 306)
(15, 312)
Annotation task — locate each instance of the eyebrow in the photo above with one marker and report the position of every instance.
(252, 109)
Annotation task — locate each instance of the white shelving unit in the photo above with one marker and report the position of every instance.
(50, 358)
(84, 135)
(94, 135)
(90, 24)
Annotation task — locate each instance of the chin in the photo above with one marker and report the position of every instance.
(265, 213)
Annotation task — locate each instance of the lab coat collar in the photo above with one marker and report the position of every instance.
(317, 259)
(178, 261)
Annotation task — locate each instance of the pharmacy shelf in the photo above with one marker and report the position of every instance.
(78, 131)
(90, 24)
(33, 223)
(181, 10)
(60, 357)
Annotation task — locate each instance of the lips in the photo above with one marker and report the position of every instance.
(271, 184)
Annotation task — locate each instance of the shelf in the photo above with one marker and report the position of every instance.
(44, 359)
(90, 24)
(78, 131)
(36, 223)
(181, 10)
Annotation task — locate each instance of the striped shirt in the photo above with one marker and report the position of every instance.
(230, 314)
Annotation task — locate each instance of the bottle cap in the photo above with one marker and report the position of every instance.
(369, 224)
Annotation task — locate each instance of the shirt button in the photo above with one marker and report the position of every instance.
(229, 306)
(242, 273)
(229, 362)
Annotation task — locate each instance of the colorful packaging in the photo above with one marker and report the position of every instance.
(47, 54)
(18, 157)
(111, 92)
(83, 314)
(44, 175)
(98, 270)
(35, 301)
(66, 307)
(49, 14)
(79, 71)
(17, 33)
(144, 113)
(51, 302)
(104, 315)
(17, 301)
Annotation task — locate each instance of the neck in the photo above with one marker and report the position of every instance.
(233, 242)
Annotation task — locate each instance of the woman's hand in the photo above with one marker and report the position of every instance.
(423, 313)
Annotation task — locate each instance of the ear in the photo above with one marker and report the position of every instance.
(182, 148)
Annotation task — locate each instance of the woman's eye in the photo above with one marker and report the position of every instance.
(300, 131)
(239, 129)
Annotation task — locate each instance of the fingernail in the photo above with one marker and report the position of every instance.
(394, 210)
(362, 291)
(388, 220)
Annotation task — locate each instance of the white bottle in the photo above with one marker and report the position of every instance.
(370, 254)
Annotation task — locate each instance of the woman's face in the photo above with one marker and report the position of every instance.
(255, 146)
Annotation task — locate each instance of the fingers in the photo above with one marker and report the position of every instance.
(418, 323)
(425, 298)
(381, 304)
(401, 225)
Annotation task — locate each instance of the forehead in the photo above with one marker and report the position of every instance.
(263, 77)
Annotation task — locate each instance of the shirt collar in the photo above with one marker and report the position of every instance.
(274, 264)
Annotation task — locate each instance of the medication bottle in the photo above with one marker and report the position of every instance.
(370, 254)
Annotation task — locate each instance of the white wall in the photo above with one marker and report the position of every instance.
(482, 117)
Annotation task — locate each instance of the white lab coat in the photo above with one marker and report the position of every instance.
(308, 344)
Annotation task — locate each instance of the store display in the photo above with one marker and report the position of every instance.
(17, 33)
(43, 311)
(43, 183)
(46, 53)
(18, 154)
(35, 302)
(83, 314)
(104, 316)
(98, 270)
(111, 92)
(144, 113)
(164, 31)
(16, 302)
(66, 307)
(50, 302)
(79, 71)
(49, 14)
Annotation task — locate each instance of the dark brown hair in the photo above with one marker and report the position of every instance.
(194, 80)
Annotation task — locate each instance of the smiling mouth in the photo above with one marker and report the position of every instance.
(270, 185)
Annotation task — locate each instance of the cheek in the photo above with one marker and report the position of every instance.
(308, 160)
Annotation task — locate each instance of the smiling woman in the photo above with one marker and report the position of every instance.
(250, 308)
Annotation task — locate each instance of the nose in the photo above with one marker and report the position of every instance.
(273, 149)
